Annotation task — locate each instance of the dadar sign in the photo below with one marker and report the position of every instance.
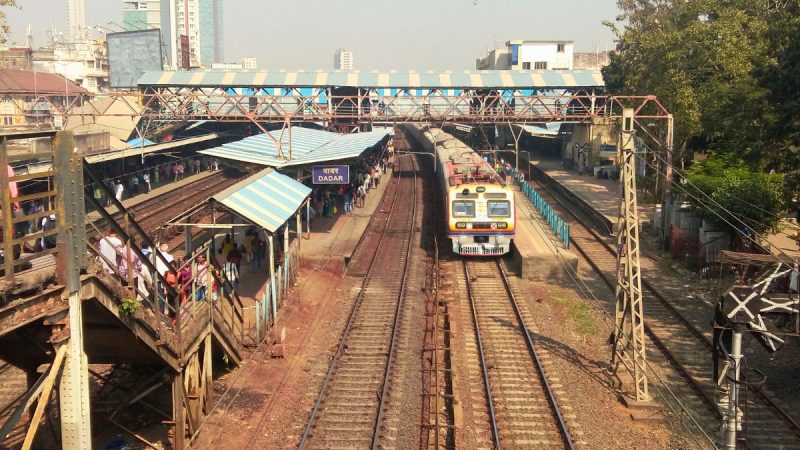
(331, 174)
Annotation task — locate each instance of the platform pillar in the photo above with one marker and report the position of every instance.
(178, 413)
(76, 430)
(272, 279)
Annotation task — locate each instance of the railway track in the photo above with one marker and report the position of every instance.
(156, 211)
(349, 410)
(673, 329)
(520, 401)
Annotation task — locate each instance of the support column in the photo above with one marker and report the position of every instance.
(76, 430)
(208, 378)
(732, 422)
(187, 234)
(308, 218)
(300, 230)
(178, 413)
(272, 277)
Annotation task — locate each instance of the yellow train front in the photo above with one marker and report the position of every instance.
(480, 219)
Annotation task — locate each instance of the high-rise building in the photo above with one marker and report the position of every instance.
(76, 19)
(343, 59)
(249, 63)
(201, 21)
(142, 15)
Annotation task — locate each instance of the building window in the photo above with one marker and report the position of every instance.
(540, 65)
(8, 120)
(526, 65)
(560, 48)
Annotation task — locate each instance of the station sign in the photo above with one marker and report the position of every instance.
(330, 174)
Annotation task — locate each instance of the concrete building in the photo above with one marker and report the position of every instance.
(343, 59)
(16, 58)
(529, 55)
(201, 20)
(76, 19)
(84, 62)
(592, 60)
(250, 63)
(19, 108)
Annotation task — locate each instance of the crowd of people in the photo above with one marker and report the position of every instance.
(329, 200)
(187, 276)
(143, 180)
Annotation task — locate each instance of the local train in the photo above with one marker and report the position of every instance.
(481, 214)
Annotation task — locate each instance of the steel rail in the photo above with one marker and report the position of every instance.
(348, 326)
(562, 424)
(484, 369)
(398, 310)
(780, 412)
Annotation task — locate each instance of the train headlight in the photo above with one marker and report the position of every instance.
(469, 226)
(461, 225)
(501, 225)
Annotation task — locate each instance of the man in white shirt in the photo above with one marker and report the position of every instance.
(110, 246)
(118, 190)
(160, 266)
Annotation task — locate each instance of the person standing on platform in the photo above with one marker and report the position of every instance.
(248, 245)
(227, 245)
(361, 192)
(347, 199)
(118, 190)
(257, 253)
(155, 175)
(181, 170)
(134, 185)
(174, 172)
(146, 180)
(112, 188)
(231, 273)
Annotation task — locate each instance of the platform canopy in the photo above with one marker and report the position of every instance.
(309, 146)
(268, 198)
(399, 79)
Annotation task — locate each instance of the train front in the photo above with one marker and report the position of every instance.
(481, 219)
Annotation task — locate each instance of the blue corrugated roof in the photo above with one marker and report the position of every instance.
(136, 142)
(308, 146)
(468, 79)
(267, 198)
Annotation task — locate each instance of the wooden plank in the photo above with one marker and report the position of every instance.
(42, 403)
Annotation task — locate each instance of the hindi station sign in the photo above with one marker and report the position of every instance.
(331, 174)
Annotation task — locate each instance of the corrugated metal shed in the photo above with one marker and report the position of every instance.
(469, 79)
(308, 146)
(544, 129)
(129, 150)
(267, 198)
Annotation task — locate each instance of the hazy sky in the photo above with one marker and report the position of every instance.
(383, 34)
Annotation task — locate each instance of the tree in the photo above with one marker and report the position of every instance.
(724, 188)
(4, 28)
(700, 58)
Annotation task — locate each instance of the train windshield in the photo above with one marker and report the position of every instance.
(463, 208)
(499, 208)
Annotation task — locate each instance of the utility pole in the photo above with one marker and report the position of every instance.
(629, 345)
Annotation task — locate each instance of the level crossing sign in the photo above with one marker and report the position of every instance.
(330, 174)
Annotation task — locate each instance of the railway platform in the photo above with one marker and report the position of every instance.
(598, 196)
(536, 250)
(333, 241)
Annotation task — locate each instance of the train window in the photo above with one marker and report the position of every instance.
(463, 208)
(499, 208)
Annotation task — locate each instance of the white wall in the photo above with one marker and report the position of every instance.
(533, 52)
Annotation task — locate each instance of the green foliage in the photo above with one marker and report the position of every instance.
(128, 307)
(4, 28)
(726, 69)
(753, 196)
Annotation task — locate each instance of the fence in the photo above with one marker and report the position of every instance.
(275, 291)
(557, 224)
